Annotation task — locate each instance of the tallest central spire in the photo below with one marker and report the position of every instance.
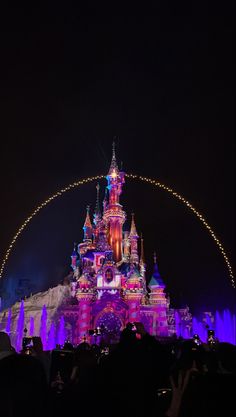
(114, 170)
(114, 216)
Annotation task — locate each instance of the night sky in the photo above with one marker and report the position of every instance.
(160, 81)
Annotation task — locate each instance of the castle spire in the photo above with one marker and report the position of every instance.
(156, 280)
(133, 237)
(97, 208)
(87, 226)
(74, 257)
(97, 212)
(142, 259)
(105, 199)
(113, 215)
(87, 222)
(133, 230)
(114, 170)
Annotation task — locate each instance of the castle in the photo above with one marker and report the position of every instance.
(109, 275)
(106, 289)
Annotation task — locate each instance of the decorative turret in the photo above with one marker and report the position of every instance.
(114, 216)
(133, 283)
(88, 228)
(85, 289)
(142, 260)
(114, 170)
(133, 237)
(126, 247)
(156, 280)
(84, 283)
(158, 301)
(74, 258)
(97, 212)
(84, 296)
(105, 200)
(134, 294)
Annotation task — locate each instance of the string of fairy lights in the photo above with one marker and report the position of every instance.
(38, 209)
(196, 212)
(133, 177)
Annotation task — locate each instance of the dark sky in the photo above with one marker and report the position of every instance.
(160, 79)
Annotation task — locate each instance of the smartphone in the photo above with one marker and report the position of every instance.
(61, 361)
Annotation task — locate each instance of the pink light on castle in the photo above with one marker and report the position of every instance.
(109, 285)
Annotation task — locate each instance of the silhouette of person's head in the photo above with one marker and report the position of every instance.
(5, 342)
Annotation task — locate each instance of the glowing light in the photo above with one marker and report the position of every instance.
(131, 176)
(37, 210)
(196, 212)
(114, 174)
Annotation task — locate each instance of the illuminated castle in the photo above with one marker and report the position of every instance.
(109, 275)
(106, 288)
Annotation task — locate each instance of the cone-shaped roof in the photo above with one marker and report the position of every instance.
(87, 223)
(133, 230)
(97, 211)
(142, 259)
(113, 167)
(156, 280)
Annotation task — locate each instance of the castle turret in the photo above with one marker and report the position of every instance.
(133, 237)
(134, 294)
(142, 263)
(159, 302)
(84, 296)
(88, 228)
(97, 218)
(126, 247)
(114, 216)
(74, 258)
(97, 213)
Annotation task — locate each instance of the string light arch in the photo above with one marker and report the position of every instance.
(133, 177)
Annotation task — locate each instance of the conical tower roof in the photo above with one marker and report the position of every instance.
(156, 280)
(113, 167)
(133, 230)
(87, 223)
(97, 211)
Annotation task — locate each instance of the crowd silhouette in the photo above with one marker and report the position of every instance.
(139, 376)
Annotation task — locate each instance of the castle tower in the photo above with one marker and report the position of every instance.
(133, 237)
(97, 213)
(114, 216)
(133, 295)
(142, 260)
(126, 247)
(159, 302)
(74, 258)
(84, 296)
(97, 218)
(88, 228)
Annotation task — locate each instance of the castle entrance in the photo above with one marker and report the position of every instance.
(110, 325)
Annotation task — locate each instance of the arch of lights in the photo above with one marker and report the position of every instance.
(131, 176)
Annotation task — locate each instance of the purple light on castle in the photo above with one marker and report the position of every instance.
(224, 325)
(61, 332)
(108, 287)
(43, 328)
(8, 326)
(51, 344)
(20, 327)
(31, 332)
